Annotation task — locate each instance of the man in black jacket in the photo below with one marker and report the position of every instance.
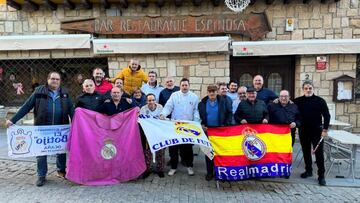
(214, 112)
(284, 112)
(89, 99)
(251, 110)
(52, 106)
(312, 110)
(117, 103)
(167, 92)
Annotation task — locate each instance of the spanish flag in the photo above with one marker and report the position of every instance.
(252, 150)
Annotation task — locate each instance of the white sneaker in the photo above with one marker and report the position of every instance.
(172, 172)
(190, 171)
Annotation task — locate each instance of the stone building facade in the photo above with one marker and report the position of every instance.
(315, 20)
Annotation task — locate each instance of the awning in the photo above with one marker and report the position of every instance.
(41, 42)
(161, 45)
(296, 47)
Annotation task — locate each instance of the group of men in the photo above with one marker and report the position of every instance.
(224, 105)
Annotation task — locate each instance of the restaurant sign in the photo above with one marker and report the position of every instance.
(253, 25)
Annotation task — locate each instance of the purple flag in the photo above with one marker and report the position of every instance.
(104, 150)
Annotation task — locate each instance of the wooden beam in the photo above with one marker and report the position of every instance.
(178, 3)
(216, 3)
(51, 5)
(124, 3)
(13, 4)
(70, 4)
(105, 3)
(196, 2)
(287, 1)
(269, 2)
(252, 2)
(160, 3)
(87, 4)
(144, 3)
(30, 5)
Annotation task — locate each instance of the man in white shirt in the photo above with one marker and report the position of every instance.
(152, 86)
(182, 105)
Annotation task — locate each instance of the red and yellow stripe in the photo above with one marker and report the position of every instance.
(227, 143)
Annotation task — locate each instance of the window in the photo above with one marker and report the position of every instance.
(18, 78)
(275, 82)
(245, 80)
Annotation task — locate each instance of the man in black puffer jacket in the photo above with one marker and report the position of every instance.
(89, 99)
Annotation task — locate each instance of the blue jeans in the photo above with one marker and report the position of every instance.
(42, 167)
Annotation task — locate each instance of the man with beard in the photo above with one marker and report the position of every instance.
(233, 87)
(313, 110)
(101, 85)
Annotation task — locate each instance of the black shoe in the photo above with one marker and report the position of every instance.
(209, 177)
(306, 174)
(40, 181)
(145, 174)
(168, 163)
(322, 181)
(161, 174)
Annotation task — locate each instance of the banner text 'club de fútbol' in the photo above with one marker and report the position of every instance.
(30, 141)
(251, 151)
(164, 133)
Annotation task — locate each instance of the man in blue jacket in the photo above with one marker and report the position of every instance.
(263, 93)
(52, 106)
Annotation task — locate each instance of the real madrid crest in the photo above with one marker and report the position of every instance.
(253, 147)
(108, 151)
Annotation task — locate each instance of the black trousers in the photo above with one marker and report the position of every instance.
(209, 166)
(310, 136)
(186, 153)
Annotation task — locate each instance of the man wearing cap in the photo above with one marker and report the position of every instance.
(251, 110)
(214, 112)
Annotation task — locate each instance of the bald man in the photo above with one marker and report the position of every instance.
(117, 103)
(263, 93)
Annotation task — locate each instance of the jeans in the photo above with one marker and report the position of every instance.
(42, 167)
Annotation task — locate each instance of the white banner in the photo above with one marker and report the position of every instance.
(29, 141)
(164, 133)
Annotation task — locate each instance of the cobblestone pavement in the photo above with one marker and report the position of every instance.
(17, 185)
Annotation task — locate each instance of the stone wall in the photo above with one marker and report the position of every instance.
(201, 69)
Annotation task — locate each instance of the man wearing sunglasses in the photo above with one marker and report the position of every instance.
(313, 109)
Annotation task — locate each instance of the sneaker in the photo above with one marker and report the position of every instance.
(306, 174)
(322, 181)
(172, 172)
(61, 174)
(190, 171)
(209, 177)
(40, 181)
(161, 174)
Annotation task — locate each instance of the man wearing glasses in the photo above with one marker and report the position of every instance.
(313, 109)
(52, 106)
(285, 112)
